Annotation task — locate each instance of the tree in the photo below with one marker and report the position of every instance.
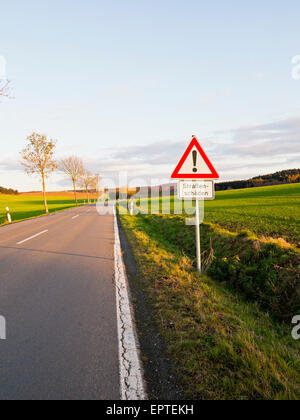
(73, 168)
(38, 158)
(88, 182)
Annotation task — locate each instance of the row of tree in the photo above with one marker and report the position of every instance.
(38, 157)
(290, 176)
(8, 191)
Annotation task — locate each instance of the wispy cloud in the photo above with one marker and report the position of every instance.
(238, 153)
(207, 99)
(273, 139)
(260, 75)
(158, 153)
(10, 164)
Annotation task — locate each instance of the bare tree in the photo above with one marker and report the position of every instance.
(73, 168)
(38, 158)
(88, 181)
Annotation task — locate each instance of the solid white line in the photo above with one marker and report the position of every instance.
(32, 237)
(75, 217)
(131, 373)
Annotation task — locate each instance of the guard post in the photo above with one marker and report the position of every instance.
(8, 215)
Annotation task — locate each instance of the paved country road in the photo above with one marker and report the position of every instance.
(58, 296)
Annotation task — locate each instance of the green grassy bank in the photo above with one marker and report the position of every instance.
(225, 347)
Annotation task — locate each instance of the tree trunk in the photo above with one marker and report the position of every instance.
(44, 194)
(75, 194)
(88, 196)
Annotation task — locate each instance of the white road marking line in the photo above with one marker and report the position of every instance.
(75, 217)
(32, 237)
(131, 373)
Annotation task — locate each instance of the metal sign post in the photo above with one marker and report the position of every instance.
(198, 243)
(196, 174)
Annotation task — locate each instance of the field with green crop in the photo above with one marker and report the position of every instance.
(27, 206)
(266, 211)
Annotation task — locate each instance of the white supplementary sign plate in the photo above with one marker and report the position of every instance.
(196, 190)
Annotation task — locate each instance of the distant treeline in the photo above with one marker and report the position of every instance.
(290, 176)
(121, 193)
(8, 191)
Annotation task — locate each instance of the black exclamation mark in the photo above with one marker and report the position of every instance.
(195, 161)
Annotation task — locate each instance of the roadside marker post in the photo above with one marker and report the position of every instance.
(196, 176)
(8, 215)
(131, 208)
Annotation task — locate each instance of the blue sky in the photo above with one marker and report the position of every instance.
(125, 84)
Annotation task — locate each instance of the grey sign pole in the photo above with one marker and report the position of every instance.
(198, 243)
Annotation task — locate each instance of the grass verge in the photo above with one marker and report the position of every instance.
(265, 271)
(224, 347)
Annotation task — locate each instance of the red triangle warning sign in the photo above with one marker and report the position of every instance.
(195, 164)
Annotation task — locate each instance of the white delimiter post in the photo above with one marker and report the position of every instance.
(8, 215)
(198, 244)
(131, 207)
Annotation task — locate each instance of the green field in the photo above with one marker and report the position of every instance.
(26, 206)
(266, 211)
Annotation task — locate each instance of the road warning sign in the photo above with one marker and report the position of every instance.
(195, 164)
(197, 176)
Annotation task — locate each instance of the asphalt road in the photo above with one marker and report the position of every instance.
(58, 297)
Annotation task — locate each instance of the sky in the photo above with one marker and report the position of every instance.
(125, 85)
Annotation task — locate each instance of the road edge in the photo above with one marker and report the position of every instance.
(132, 385)
(163, 383)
